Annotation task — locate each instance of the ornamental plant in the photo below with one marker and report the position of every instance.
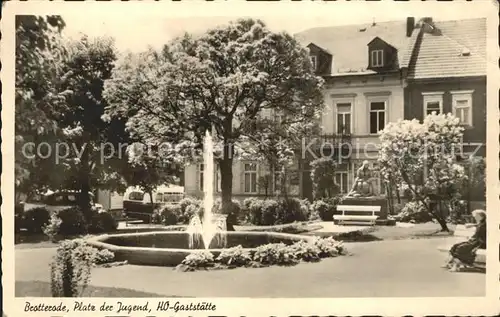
(329, 247)
(71, 268)
(235, 256)
(196, 261)
(305, 251)
(422, 157)
(275, 254)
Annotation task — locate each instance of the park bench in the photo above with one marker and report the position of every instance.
(463, 233)
(357, 214)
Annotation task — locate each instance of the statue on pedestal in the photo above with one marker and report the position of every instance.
(362, 186)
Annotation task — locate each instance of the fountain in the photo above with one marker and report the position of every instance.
(210, 227)
(170, 248)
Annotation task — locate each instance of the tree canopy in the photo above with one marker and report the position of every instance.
(224, 79)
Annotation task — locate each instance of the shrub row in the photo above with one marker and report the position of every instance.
(265, 255)
(72, 221)
(274, 212)
(187, 208)
(263, 212)
(65, 222)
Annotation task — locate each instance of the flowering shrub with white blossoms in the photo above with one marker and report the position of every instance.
(421, 158)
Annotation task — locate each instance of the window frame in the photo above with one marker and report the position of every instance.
(343, 174)
(377, 100)
(249, 173)
(379, 54)
(429, 97)
(314, 61)
(338, 102)
(462, 95)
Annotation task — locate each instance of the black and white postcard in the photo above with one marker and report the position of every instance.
(240, 158)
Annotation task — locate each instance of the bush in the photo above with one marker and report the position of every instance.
(197, 260)
(414, 211)
(70, 269)
(103, 256)
(235, 256)
(272, 212)
(67, 222)
(275, 254)
(103, 222)
(253, 210)
(324, 209)
(188, 208)
(34, 220)
(328, 247)
(233, 213)
(291, 210)
(305, 251)
(167, 215)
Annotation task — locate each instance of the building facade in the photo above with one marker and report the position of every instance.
(447, 74)
(375, 74)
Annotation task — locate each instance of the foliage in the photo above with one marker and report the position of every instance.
(188, 208)
(102, 222)
(275, 254)
(305, 251)
(413, 211)
(103, 256)
(223, 80)
(235, 256)
(323, 178)
(38, 96)
(167, 215)
(35, 219)
(197, 260)
(324, 209)
(67, 222)
(70, 270)
(329, 247)
(474, 187)
(409, 148)
(274, 212)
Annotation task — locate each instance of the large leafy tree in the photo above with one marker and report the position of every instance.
(422, 158)
(39, 97)
(221, 81)
(88, 64)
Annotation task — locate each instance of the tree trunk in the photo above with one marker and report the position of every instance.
(85, 187)
(226, 173)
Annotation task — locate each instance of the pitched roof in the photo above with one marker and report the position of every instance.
(438, 56)
(348, 44)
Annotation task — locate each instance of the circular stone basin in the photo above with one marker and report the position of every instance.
(169, 248)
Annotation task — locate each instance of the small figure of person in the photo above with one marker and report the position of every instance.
(463, 254)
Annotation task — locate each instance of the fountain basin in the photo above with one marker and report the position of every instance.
(169, 248)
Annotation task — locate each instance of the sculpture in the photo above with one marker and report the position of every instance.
(362, 186)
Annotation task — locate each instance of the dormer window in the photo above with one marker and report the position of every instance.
(377, 58)
(314, 62)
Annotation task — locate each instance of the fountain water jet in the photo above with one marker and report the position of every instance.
(210, 227)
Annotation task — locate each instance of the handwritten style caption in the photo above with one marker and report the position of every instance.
(120, 307)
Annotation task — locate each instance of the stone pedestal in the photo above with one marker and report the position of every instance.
(369, 201)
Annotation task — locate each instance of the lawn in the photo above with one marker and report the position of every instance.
(42, 289)
(392, 268)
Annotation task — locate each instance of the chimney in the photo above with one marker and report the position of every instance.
(427, 25)
(410, 26)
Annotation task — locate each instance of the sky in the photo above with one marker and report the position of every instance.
(135, 30)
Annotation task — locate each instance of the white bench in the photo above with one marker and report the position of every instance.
(463, 233)
(344, 217)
